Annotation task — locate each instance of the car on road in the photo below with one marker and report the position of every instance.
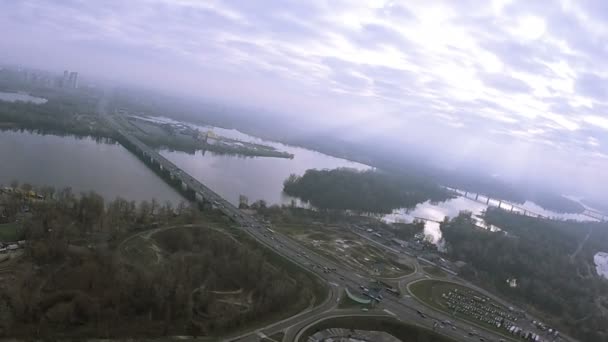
(365, 309)
(420, 314)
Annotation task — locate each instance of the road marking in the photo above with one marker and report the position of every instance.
(390, 312)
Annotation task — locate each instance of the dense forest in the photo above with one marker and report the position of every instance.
(61, 114)
(91, 268)
(551, 260)
(369, 191)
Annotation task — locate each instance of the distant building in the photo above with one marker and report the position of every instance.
(73, 80)
(65, 79)
(243, 201)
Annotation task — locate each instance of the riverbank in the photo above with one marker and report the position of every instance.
(183, 137)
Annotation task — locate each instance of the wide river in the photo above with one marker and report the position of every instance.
(80, 163)
(86, 164)
(256, 178)
(23, 97)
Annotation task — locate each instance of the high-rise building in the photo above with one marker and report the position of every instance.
(73, 80)
(65, 80)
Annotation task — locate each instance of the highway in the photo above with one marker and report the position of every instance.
(404, 308)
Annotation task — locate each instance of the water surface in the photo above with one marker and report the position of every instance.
(254, 177)
(14, 97)
(80, 163)
(433, 213)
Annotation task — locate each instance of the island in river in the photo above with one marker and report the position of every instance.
(188, 138)
(58, 112)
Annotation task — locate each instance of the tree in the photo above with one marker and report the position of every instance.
(368, 191)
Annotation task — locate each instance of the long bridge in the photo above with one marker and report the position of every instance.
(498, 203)
(196, 190)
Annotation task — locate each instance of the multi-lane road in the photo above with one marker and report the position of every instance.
(403, 308)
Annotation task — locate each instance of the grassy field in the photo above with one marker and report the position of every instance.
(344, 247)
(347, 303)
(434, 271)
(10, 232)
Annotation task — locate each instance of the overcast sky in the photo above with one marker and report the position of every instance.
(519, 85)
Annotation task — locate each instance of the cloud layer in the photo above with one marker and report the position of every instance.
(525, 80)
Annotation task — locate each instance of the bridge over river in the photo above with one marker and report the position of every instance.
(194, 189)
(489, 201)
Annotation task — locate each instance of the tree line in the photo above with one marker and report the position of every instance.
(368, 191)
(542, 255)
(76, 279)
(62, 113)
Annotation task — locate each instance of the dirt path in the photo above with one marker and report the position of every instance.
(239, 291)
(581, 245)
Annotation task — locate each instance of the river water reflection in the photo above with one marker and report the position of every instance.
(256, 178)
(80, 163)
(109, 169)
(433, 213)
(14, 97)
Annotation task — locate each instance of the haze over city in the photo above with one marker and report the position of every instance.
(466, 81)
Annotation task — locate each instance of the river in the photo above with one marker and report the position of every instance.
(109, 169)
(80, 163)
(254, 177)
(14, 97)
(436, 212)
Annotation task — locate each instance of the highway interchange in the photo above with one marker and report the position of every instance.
(404, 308)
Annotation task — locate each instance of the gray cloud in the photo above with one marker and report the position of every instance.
(593, 86)
(529, 73)
(505, 83)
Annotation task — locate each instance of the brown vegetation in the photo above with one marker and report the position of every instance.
(75, 280)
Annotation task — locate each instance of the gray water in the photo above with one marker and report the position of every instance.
(256, 178)
(434, 212)
(14, 97)
(109, 169)
(80, 163)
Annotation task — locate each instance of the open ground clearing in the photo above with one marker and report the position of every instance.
(346, 248)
